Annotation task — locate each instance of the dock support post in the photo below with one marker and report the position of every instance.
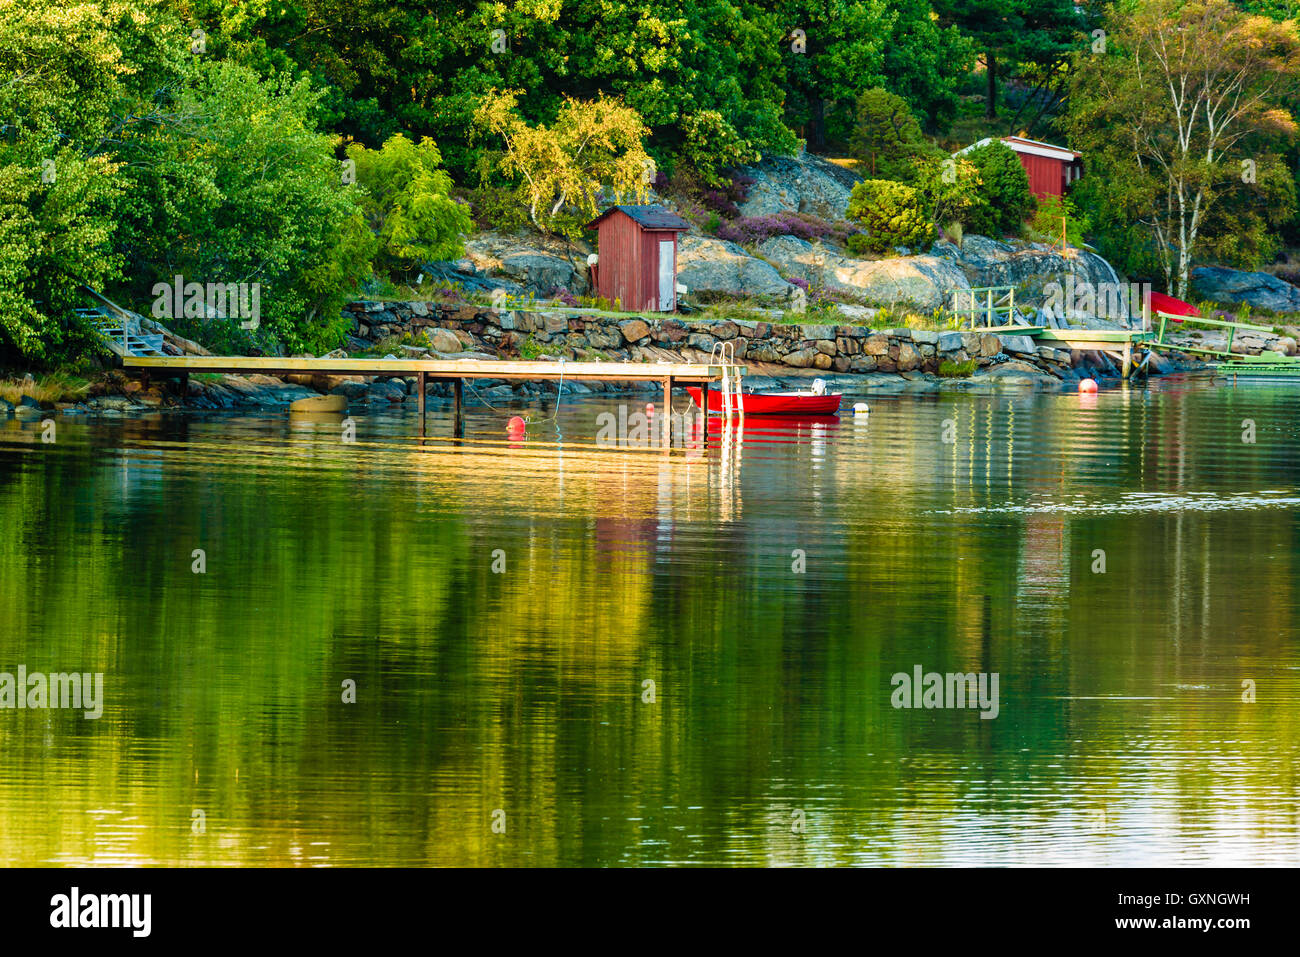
(1128, 360)
(704, 413)
(458, 407)
(422, 401)
(668, 412)
(185, 384)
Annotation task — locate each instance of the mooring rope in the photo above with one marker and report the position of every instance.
(553, 417)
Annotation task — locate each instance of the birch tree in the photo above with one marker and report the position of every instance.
(1181, 104)
(594, 151)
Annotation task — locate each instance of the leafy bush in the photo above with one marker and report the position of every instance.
(951, 190)
(1005, 187)
(891, 214)
(1046, 223)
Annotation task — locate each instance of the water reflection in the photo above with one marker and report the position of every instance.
(501, 605)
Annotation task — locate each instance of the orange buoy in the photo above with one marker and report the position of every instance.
(1088, 385)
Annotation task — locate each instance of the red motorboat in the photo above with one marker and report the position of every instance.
(773, 403)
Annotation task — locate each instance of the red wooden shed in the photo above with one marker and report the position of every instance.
(637, 257)
(1051, 168)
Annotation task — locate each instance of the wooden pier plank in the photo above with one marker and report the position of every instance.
(680, 372)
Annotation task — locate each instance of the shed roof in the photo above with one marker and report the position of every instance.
(648, 217)
(1034, 147)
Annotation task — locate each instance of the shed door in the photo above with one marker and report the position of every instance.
(667, 276)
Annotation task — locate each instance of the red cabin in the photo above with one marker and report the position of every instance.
(637, 257)
(1051, 168)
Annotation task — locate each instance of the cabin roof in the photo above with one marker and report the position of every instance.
(1034, 147)
(647, 216)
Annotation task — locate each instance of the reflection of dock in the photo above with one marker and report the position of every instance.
(457, 370)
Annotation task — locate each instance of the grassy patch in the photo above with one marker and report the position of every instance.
(392, 345)
(54, 387)
(957, 370)
(531, 349)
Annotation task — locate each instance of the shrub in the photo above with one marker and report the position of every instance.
(951, 190)
(1005, 187)
(1046, 223)
(891, 214)
(563, 295)
(755, 229)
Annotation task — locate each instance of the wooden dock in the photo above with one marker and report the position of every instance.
(457, 370)
(1117, 343)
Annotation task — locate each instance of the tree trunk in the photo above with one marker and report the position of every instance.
(819, 124)
(991, 100)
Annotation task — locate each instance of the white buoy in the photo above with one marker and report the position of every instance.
(861, 408)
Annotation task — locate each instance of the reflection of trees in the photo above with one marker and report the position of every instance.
(522, 691)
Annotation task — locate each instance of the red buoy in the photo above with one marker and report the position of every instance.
(1088, 385)
(516, 426)
(649, 408)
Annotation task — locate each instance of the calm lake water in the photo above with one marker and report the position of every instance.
(769, 589)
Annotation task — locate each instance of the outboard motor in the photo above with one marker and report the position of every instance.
(819, 387)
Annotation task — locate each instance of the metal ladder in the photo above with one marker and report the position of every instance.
(724, 355)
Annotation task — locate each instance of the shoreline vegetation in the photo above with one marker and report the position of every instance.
(846, 173)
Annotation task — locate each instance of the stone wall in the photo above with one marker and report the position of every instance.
(462, 330)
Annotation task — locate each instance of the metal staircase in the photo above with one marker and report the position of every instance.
(122, 330)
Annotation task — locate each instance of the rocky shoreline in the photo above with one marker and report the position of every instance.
(853, 359)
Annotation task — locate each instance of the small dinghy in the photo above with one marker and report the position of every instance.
(815, 401)
(320, 403)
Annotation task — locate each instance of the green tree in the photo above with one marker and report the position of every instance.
(233, 184)
(925, 61)
(887, 138)
(1014, 33)
(592, 152)
(1005, 188)
(1184, 121)
(951, 191)
(65, 73)
(832, 49)
(406, 202)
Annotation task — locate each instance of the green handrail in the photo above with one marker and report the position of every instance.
(1232, 328)
(990, 307)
